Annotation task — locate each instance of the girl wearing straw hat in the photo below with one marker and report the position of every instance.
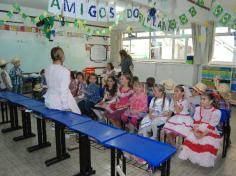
(5, 80)
(16, 75)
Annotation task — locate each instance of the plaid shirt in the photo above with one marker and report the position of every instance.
(16, 76)
(223, 104)
(92, 93)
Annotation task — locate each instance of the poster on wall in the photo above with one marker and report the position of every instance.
(98, 53)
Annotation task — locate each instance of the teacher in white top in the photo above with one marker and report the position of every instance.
(58, 95)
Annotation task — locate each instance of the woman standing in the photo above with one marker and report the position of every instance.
(58, 95)
(126, 63)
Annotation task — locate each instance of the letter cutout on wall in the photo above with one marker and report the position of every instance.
(55, 6)
(82, 9)
(102, 12)
(92, 11)
(70, 8)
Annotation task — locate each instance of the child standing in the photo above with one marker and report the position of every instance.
(137, 106)
(202, 144)
(180, 123)
(91, 96)
(158, 112)
(115, 110)
(16, 75)
(5, 80)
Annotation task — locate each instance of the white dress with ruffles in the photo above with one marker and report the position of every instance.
(181, 123)
(203, 151)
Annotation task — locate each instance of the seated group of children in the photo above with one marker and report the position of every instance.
(190, 113)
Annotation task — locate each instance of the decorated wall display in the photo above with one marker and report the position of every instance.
(82, 11)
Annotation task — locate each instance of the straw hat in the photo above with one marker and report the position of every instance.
(37, 87)
(3, 62)
(224, 91)
(169, 85)
(15, 60)
(200, 88)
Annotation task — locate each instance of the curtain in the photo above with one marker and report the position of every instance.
(116, 42)
(210, 42)
(197, 47)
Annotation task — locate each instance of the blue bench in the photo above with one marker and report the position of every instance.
(157, 154)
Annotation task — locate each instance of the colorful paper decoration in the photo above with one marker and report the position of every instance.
(183, 19)
(234, 24)
(192, 11)
(1, 22)
(218, 10)
(200, 3)
(225, 19)
(9, 14)
(172, 24)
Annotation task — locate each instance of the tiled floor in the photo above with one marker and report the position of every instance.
(16, 161)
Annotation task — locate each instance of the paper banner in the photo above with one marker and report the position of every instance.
(225, 19)
(200, 3)
(69, 8)
(183, 19)
(82, 9)
(92, 11)
(192, 11)
(55, 6)
(172, 24)
(218, 10)
(102, 12)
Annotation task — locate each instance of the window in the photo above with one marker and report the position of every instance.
(140, 48)
(161, 48)
(179, 48)
(225, 45)
(159, 45)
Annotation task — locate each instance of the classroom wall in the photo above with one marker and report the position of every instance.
(34, 49)
(180, 73)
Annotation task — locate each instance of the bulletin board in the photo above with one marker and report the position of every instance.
(98, 52)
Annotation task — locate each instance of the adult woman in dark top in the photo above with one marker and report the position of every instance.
(126, 62)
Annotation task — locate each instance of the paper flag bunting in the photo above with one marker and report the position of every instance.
(218, 10)
(200, 2)
(1, 22)
(17, 7)
(183, 19)
(9, 14)
(41, 17)
(192, 11)
(24, 16)
(172, 24)
(225, 19)
(234, 25)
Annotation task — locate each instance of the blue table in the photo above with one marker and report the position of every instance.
(68, 118)
(99, 131)
(62, 120)
(157, 154)
(13, 99)
(29, 103)
(43, 112)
